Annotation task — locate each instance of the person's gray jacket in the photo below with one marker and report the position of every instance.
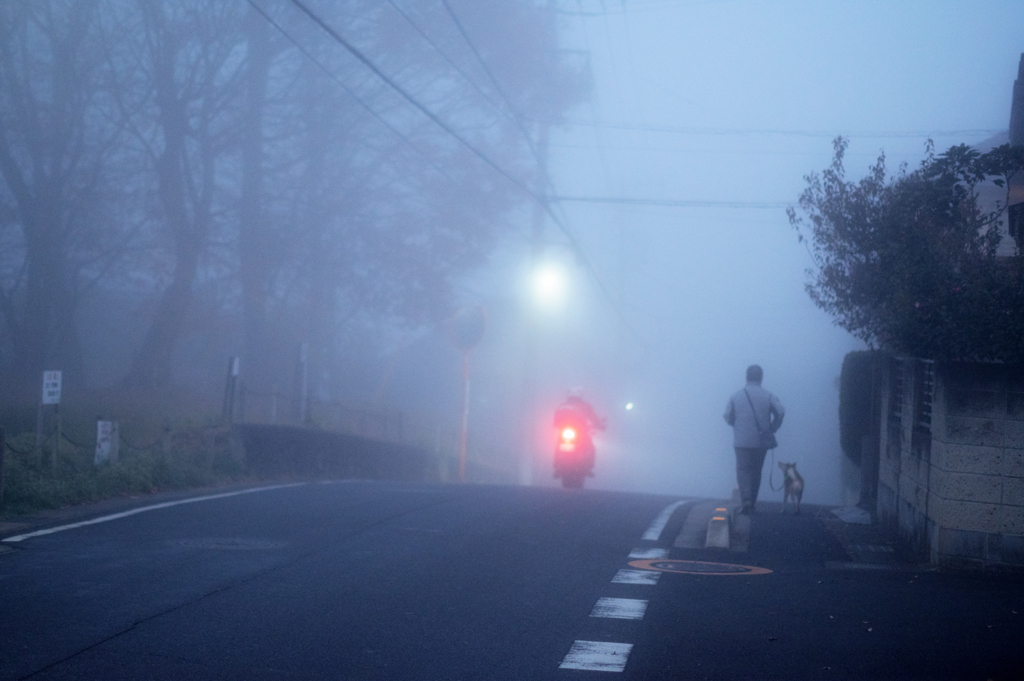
(739, 415)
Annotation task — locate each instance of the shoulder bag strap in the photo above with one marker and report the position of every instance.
(757, 421)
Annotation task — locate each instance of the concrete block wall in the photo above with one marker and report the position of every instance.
(961, 500)
(978, 476)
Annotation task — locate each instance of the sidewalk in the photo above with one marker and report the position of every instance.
(816, 533)
(825, 600)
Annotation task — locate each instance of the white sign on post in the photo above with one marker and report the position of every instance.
(51, 387)
(104, 429)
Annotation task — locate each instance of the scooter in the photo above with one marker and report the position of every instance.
(574, 454)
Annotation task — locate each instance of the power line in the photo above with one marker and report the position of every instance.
(362, 58)
(634, 9)
(548, 187)
(451, 63)
(672, 203)
(570, 237)
(683, 130)
(348, 90)
(517, 118)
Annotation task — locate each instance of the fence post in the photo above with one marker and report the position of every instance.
(39, 435)
(56, 440)
(303, 384)
(241, 401)
(102, 452)
(273, 406)
(115, 440)
(229, 389)
(3, 450)
(165, 443)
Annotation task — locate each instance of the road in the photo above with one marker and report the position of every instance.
(377, 580)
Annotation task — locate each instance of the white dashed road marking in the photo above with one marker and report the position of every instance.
(603, 656)
(654, 531)
(143, 509)
(619, 608)
(597, 656)
(635, 577)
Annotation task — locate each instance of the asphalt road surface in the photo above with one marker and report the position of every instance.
(375, 580)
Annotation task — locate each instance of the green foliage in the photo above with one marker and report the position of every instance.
(197, 457)
(855, 401)
(909, 262)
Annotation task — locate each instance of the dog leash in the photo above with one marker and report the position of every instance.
(771, 474)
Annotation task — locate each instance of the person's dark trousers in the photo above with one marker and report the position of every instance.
(749, 462)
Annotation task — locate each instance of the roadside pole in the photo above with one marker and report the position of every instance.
(229, 389)
(56, 438)
(464, 426)
(303, 383)
(51, 395)
(3, 450)
(528, 399)
(273, 406)
(467, 328)
(38, 452)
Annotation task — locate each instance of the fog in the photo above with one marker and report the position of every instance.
(247, 179)
(735, 102)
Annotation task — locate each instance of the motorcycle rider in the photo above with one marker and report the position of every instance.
(578, 414)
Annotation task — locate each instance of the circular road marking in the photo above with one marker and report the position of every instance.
(698, 567)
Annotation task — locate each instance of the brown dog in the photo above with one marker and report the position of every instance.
(792, 485)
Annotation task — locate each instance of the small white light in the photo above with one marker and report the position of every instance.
(629, 406)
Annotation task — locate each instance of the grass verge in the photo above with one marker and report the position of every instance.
(189, 457)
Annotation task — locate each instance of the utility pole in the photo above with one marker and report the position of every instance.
(467, 328)
(528, 425)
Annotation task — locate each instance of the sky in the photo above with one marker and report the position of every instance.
(732, 103)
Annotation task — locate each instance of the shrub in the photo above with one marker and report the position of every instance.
(196, 457)
(909, 262)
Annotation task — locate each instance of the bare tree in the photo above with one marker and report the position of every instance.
(190, 56)
(55, 139)
(238, 189)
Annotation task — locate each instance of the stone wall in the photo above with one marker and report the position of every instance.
(951, 474)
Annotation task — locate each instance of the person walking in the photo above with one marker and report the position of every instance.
(755, 415)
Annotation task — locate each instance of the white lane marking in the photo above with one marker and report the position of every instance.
(619, 608)
(598, 656)
(636, 577)
(143, 509)
(648, 554)
(654, 531)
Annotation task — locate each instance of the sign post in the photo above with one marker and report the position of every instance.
(234, 365)
(51, 395)
(51, 387)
